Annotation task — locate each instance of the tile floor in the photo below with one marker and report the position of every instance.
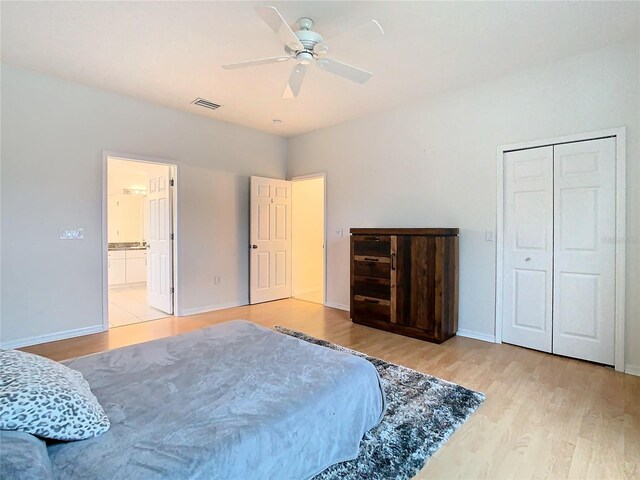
(128, 304)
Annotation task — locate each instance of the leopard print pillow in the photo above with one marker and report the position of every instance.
(47, 399)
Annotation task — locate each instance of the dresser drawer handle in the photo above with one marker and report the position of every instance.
(370, 300)
(373, 239)
(369, 259)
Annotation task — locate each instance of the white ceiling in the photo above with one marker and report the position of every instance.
(171, 52)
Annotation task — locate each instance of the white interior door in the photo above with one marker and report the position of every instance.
(160, 251)
(528, 248)
(270, 240)
(584, 250)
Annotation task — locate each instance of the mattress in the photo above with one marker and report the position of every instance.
(231, 401)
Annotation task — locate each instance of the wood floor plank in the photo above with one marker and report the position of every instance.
(545, 417)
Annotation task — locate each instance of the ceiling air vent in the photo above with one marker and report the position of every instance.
(205, 103)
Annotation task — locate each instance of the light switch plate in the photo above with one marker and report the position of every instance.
(488, 235)
(71, 233)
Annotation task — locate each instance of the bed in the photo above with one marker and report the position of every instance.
(231, 401)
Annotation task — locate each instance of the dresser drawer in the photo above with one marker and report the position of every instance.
(372, 245)
(367, 308)
(379, 267)
(372, 287)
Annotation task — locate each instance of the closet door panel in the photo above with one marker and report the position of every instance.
(528, 248)
(584, 250)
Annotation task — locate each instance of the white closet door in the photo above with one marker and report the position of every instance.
(528, 248)
(584, 250)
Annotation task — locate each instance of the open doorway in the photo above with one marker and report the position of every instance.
(308, 238)
(140, 205)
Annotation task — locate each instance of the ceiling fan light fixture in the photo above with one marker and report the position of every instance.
(321, 49)
(304, 58)
(306, 46)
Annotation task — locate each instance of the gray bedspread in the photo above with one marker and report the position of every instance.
(232, 401)
(23, 456)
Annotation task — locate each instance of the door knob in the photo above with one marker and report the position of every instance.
(254, 246)
(528, 259)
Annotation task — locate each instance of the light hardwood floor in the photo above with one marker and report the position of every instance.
(544, 417)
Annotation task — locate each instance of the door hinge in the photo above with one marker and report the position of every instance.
(172, 183)
(172, 291)
(172, 237)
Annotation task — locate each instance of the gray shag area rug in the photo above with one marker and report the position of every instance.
(422, 413)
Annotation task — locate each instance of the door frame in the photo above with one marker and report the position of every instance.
(311, 176)
(106, 155)
(620, 135)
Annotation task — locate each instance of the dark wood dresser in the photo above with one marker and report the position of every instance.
(405, 280)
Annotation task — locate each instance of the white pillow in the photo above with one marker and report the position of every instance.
(47, 399)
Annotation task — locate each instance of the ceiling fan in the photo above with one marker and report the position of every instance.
(306, 47)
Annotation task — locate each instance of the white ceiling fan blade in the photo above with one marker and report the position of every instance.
(274, 20)
(295, 81)
(347, 71)
(365, 32)
(253, 63)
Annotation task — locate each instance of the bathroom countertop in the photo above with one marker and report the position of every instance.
(124, 246)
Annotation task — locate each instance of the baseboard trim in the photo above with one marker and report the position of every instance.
(477, 335)
(339, 306)
(51, 337)
(632, 369)
(211, 308)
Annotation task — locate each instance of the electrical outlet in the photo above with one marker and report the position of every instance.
(488, 235)
(217, 280)
(339, 232)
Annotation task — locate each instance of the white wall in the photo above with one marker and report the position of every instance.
(120, 179)
(126, 213)
(307, 239)
(53, 135)
(433, 164)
